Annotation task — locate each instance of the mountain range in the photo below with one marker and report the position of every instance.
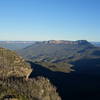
(16, 45)
(73, 67)
(56, 55)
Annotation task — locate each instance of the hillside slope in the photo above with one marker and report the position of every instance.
(83, 83)
(57, 55)
(12, 65)
(54, 51)
(15, 83)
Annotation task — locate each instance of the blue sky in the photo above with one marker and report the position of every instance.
(50, 19)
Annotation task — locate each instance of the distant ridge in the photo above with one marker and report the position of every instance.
(15, 45)
(96, 44)
(64, 42)
(57, 50)
(10, 42)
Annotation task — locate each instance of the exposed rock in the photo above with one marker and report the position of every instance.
(64, 42)
(12, 65)
(15, 84)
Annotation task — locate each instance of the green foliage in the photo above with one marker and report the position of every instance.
(60, 66)
(14, 85)
(57, 56)
(50, 51)
(31, 89)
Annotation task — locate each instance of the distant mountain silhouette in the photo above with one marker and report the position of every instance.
(15, 45)
(56, 54)
(56, 50)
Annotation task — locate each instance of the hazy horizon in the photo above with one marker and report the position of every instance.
(38, 40)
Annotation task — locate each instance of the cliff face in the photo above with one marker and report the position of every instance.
(13, 83)
(12, 65)
(64, 42)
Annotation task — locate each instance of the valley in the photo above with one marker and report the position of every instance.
(82, 81)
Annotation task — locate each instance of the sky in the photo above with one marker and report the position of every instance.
(50, 20)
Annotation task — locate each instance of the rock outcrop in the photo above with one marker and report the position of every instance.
(14, 85)
(64, 42)
(12, 65)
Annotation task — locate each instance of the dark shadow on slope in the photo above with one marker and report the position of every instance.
(77, 85)
(96, 53)
(87, 66)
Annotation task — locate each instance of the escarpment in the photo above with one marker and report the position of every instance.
(13, 84)
(12, 65)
